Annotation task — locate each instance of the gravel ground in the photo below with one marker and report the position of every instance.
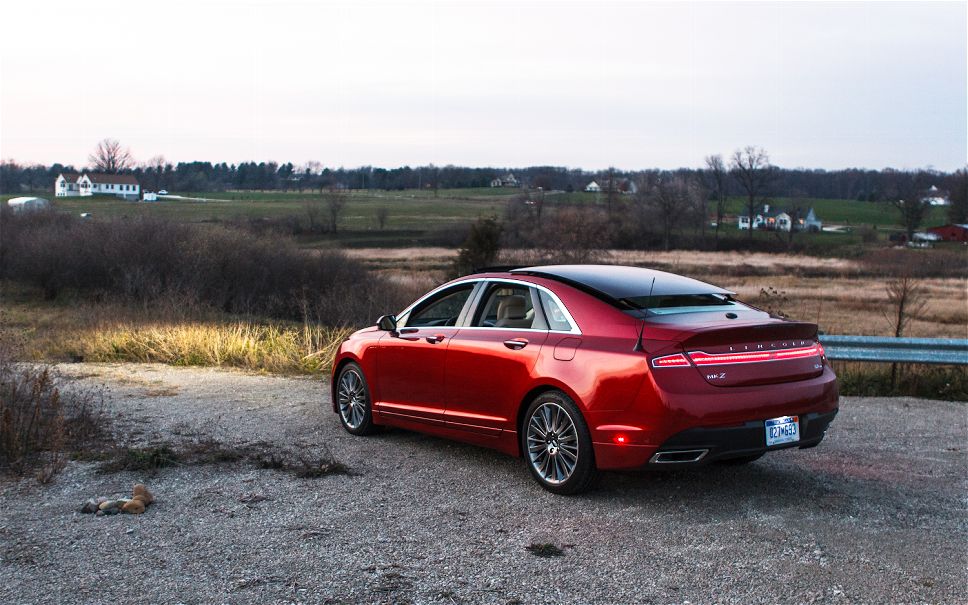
(875, 514)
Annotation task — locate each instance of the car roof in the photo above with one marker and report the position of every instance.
(617, 282)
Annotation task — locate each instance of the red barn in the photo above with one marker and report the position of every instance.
(951, 233)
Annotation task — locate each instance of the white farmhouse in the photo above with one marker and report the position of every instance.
(72, 184)
(593, 187)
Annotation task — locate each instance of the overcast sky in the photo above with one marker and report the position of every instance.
(579, 84)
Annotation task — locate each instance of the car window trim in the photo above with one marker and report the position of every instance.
(488, 286)
(461, 317)
(486, 280)
(481, 285)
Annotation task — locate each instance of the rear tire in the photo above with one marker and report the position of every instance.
(557, 445)
(353, 402)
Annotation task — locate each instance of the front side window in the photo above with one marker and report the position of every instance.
(442, 309)
(507, 306)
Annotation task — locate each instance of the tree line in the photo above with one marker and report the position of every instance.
(157, 173)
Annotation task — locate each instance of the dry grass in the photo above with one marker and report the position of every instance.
(54, 331)
(841, 295)
(253, 346)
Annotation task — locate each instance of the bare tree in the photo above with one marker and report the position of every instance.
(671, 198)
(913, 209)
(958, 194)
(382, 214)
(698, 199)
(908, 299)
(575, 234)
(752, 170)
(313, 210)
(538, 202)
(152, 173)
(110, 157)
(335, 205)
(715, 175)
(611, 190)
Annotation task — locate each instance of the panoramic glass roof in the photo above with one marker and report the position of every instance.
(621, 283)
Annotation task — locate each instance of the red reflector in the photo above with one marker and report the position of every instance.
(620, 439)
(671, 361)
(701, 358)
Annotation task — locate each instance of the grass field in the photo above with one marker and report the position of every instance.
(422, 210)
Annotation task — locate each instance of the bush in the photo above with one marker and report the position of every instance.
(480, 248)
(39, 422)
(147, 261)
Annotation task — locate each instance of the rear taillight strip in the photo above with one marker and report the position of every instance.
(671, 361)
(701, 358)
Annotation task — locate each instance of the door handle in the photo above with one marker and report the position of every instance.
(435, 338)
(516, 343)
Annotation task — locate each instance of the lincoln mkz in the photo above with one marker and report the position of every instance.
(586, 368)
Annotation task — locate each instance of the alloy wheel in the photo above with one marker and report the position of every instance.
(351, 397)
(552, 443)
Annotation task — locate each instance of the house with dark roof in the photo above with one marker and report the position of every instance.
(72, 184)
(508, 180)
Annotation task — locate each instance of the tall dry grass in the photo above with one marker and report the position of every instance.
(263, 347)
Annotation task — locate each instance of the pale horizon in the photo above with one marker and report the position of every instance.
(582, 85)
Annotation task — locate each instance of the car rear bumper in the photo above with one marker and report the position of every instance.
(722, 443)
(700, 445)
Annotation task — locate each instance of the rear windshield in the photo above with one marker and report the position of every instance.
(669, 304)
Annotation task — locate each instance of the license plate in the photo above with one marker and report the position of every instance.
(785, 429)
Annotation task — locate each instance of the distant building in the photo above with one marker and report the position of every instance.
(951, 233)
(619, 185)
(72, 184)
(811, 223)
(779, 220)
(28, 204)
(935, 197)
(508, 180)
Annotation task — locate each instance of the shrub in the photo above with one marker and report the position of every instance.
(39, 422)
(481, 246)
(147, 261)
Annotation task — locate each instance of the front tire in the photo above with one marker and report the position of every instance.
(557, 445)
(353, 400)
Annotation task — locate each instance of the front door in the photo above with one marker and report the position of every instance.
(489, 363)
(410, 364)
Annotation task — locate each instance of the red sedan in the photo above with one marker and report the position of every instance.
(583, 368)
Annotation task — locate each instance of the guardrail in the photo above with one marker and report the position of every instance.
(949, 351)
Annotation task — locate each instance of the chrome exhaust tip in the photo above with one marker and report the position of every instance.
(678, 457)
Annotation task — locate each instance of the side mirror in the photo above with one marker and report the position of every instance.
(387, 323)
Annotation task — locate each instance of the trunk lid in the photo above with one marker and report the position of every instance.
(765, 353)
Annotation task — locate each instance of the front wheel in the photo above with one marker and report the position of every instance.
(557, 445)
(353, 400)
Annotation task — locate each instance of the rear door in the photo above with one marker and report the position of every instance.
(489, 362)
(410, 364)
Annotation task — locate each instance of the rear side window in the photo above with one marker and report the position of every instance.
(557, 320)
(506, 306)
